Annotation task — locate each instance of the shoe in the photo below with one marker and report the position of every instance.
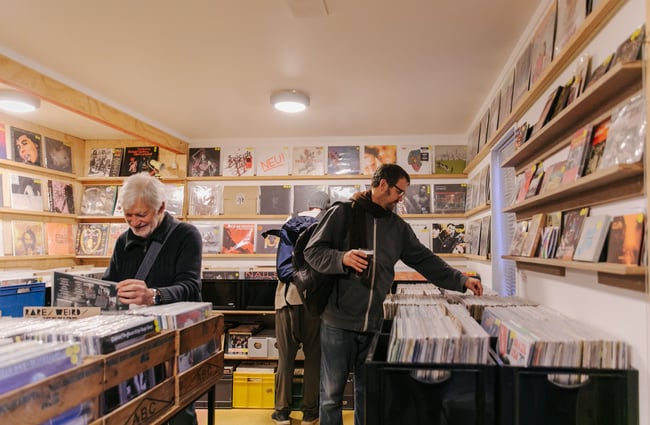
(281, 418)
(310, 420)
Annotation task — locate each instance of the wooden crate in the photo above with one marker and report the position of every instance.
(201, 377)
(130, 361)
(46, 399)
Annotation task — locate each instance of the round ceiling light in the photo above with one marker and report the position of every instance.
(290, 101)
(14, 101)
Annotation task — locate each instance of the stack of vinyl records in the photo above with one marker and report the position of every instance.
(540, 336)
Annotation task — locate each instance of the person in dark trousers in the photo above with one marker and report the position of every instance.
(293, 325)
(354, 312)
(176, 271)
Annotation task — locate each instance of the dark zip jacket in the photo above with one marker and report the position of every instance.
(357, 304)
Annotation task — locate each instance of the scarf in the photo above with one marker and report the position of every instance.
(362, 203)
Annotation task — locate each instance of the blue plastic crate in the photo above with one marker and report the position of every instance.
(13, 298)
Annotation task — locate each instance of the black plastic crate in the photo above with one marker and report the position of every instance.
(395, 395)
(532, 396)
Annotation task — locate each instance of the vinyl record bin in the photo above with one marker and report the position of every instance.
(464, 395)
(534, 396)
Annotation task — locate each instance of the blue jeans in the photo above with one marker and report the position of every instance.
(342, 352)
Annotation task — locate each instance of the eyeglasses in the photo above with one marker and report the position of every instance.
(400, 192)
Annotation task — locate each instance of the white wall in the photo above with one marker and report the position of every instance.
(624, 314)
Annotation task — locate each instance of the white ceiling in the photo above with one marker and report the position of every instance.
(204, 69)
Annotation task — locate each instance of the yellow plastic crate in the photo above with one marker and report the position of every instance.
(253, 390)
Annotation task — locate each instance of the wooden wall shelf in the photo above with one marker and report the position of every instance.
(615, 183)
(616, 85)
(619, 275)
(596, 20)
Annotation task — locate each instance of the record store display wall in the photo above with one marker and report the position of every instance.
(549, 178)
(58, 193)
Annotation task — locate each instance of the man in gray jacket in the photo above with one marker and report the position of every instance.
(354, 312)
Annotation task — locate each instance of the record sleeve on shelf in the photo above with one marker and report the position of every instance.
(59, 238)
(522, 133)
(505, 103)
(27, 237)
(210, 236)
(203, 162)
(60, 197)
(583, 70)
(343, 160)
(450, 159)
(238, 238)
(26, 193)
(592, 238)
(268, 244)
(577, 156)
(417, 199)
(630, 49)
(472, 142)
(552, 177)
(473, 238)
(549, 108)
(599, 71)
(118, 211)
(533, 234)
(549, 241)
(240, 200)
(308, 161)
(597, 146)
(105, 162)
(448, 238)
(626, 239)
(449, 198)
(3, 141)
(375, 155)
(542, 52)
(275, 199)
(58, 155)
(114, 232)
(423, 233)
(493, 117)
(302, 193)
(484, 241)
(522, 74)
(571, 226)
(204, 198)
(137, 159)
(98, 200)
(519, 237)
(535, 181)
(237, 161)
(91, 239)
(272, 160)
(626, 136)
(415, 159)
(484, 129)
(174, 198)
(27, 146)
(570, 16)
(342, 193)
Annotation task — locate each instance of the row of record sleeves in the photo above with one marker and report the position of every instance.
(211, 198)
(32, 237)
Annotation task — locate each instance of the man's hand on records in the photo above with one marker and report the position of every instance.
(134, 291)
(474, 285)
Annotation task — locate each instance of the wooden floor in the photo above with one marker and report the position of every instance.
(255, 417)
